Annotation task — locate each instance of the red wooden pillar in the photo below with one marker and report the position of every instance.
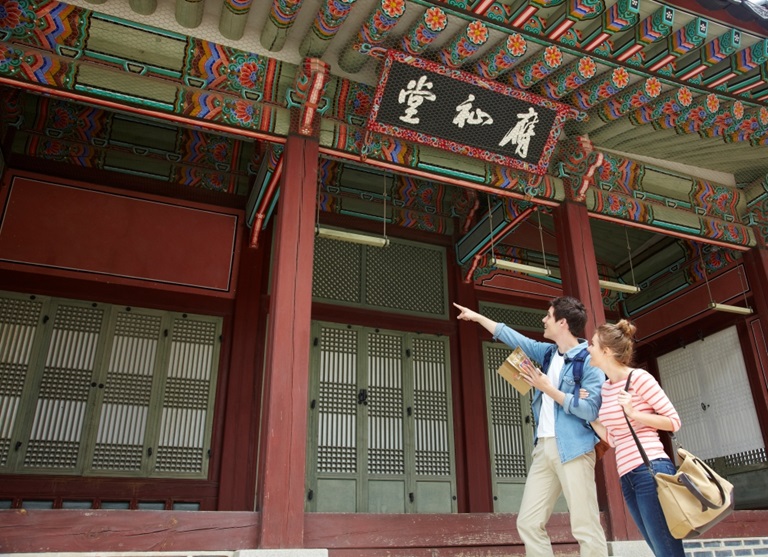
(472, 379)
(237, 479)
(578, 268)
(753, 333)
(280, 490)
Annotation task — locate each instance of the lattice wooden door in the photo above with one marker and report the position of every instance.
(381, 435)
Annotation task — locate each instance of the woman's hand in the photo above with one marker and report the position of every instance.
(583, 393)
(625, 401)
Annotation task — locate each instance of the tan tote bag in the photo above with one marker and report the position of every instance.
(694, 498)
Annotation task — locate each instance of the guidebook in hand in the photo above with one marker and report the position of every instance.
(511, 369)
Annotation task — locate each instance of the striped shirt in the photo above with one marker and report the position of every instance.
(648, 397)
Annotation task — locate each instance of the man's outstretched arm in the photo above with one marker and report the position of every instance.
(467, 314)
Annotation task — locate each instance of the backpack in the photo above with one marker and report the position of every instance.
(578, 369)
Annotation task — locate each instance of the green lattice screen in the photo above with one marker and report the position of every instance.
(380, 420)
(92, 389)
(19, 319)
(127, 392)
(65, 388)
(510, 431)
(185, 423)
(523, 319)
(405, 277)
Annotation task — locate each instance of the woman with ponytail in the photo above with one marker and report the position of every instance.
(649, 410)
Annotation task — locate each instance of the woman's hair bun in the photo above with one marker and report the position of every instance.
(626, 328)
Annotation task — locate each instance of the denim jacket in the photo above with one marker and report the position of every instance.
(573, 433)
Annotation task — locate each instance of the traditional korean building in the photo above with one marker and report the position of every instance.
(232, 233)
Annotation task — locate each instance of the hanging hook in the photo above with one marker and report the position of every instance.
(541, 238)
(629, 256)
(742, 279)
(490, 223)
(384, 193)
(704, 272)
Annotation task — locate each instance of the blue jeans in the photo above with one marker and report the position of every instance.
(639, 489)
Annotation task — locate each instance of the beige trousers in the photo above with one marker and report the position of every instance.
(549, 477)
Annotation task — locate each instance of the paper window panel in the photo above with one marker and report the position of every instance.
(728, 397)
(430, 408)
(677, 371)
(337, 401)
(19, 319)
(386, 451)
(707, 382)
(506, 419)
(65, 388)
(127, 392)
(188, 395)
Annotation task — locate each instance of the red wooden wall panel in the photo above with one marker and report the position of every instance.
(60, 226)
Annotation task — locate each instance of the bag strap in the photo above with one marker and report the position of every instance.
(705, 503)
(640, 448)
(683, 479)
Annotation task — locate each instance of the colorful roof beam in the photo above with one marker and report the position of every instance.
(328, 21)
(521, 11)
(502, 57)
(754, 127)
(670, 104)
(464, 44)
(740, 123)
(482, 6)
(655, 27)
(281, 18)
(743, 84)
(749, 64)
(682, 41)
(760, 95)
(512, 13)
(714, 52)
(425, 30)
(374, 30)
(620, 16)
(494, 225)
(739, 63)
(536, 68)
(234, 15)
(570, 78)
(671, 110)
(558, 22)
(638, 95)
(604, 87)
(307, 94)
(694, 118)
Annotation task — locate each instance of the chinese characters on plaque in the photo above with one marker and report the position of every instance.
(424, 102)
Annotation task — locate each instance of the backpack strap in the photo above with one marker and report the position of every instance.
(548, 358)
(578, 368)
(578, 373)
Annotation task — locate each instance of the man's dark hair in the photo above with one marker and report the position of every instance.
(573, 311)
